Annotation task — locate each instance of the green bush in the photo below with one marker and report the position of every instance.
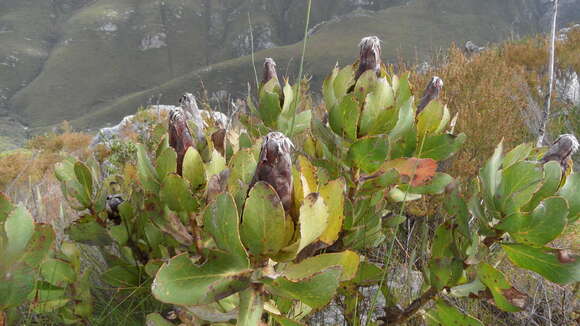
(256, 235)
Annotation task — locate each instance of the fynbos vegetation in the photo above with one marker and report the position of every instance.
(267, 221)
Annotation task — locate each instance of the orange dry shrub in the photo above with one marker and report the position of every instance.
(488, 94)
(37, 160)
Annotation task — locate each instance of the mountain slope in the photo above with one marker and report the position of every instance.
(94, 61)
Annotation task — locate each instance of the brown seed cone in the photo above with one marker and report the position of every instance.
(188, 104)
(275, 166)
(431, 93)
(561, 150)
(370, 56)
(269, 71)
(112, 207)
(180, 138)
(218, 139)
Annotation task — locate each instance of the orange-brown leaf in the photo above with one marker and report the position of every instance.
(416, 171)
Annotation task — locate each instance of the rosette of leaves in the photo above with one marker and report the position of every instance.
(277, 106)
(249, 255)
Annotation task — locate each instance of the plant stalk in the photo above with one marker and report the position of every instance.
(548, 99)
(300, 71)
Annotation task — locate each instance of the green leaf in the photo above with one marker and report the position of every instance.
(269, 108)
(518, 184)
(379, 182)
(271, 86)
(403, 90)
(216, 165)
(405, 121)
(71, 187)
(378, 101)
(155, 319)
(365, 84)
(83, 175)
(263, 222)
(315, 290)
(545, 262)
(88, 231)
(570, 192)
(5, 207)
(347, 260)
(16, 287)
(446, 315)
(39, 245)
(242, 167)
(333, 195)
(181, 282)
(552, 179)
(539, 227)
(245, 141)
(57, 272)
(445, 269)
(464, 290)
(123, 276)
(193, 169)
(301, 124)
(429, 119)
(65, 170)
(288, 109)
(343, 81)
(251, 308)
(19, 228)
(368, 273)
(330, 99)
(47, 298)
(490, 176)
(313, 219)
(434, 187)
(145, 171)
(221, 220)
(518, 154)
(394, 220)
(343, 118)
(176, 195)
(441, 147)
(499, 287)
(166, 162)
(283, 321)
(456, 207)
(369, 153)
(397, 195)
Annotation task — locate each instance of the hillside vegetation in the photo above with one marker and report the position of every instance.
(427, 245)
(93, 62)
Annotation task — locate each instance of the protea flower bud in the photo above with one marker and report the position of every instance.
(180, 138)
(189, 105)
(275, 166)
(112, 206)
(370, 55)
(561, 150)
(431, 93)
(269, 71)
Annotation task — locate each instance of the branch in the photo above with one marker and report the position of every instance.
(404, 315)
(546, 113)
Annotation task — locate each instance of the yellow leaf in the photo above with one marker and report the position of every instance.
(333, 195)
(313, 219)
(307, 175)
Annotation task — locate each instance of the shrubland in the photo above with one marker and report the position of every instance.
(287, 212)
